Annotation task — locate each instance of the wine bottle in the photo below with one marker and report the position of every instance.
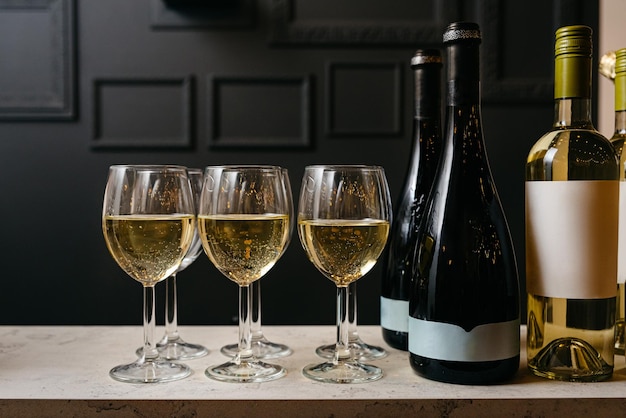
(425, 153)
(571, 228)
(618, 139)
(464, 323)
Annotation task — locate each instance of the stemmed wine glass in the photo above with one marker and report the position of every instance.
(360, 349)
(244, 221)
(172, 346)
(262, 348)
(148, 221)
(343, 222)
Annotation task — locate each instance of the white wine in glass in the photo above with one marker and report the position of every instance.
(148, 221)
(244, 220)
(344, 214)
(263, 348)
(172, 346)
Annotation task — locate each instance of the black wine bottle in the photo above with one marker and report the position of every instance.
(464, 313)
(425, 153)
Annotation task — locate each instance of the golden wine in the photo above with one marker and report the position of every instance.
(148, 247)
(244, 247)
(343, 250)
(195, 249)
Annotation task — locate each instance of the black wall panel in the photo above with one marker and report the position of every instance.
(37, 41)
(143, 113)
(88, 83)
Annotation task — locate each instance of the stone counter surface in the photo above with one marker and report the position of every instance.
(48, 371)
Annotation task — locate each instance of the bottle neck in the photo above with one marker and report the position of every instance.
(573, 113)
(620, 122)
(463, 75)
(620, 103)
(572, 91)
(426, 118)
(427, 96)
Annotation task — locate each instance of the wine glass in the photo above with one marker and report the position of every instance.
(172, 346)
(360, 349)
(343, 222)
(262, 348)
(148, 221)
(244, 221)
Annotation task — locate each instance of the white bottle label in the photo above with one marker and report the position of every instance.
(441, 341)
(394, 314)
(571, 238)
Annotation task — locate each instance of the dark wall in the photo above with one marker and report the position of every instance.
(91, 83)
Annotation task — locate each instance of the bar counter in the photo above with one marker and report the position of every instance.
(49, 371)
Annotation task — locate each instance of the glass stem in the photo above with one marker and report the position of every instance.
(352, 313)
(245, 334)
(171, 309)
(255, 325)
(149, 324)
(342, 349)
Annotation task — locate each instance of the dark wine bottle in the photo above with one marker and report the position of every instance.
(464, 312)
(425, 153)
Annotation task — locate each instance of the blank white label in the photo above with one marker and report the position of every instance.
(394, 314)
(571, 238)
(441, 341)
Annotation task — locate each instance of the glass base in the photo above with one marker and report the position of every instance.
(570, 359)
(261, 349)
(360, 351)
(177, 349)
(150, 371)
(251, 371)
(350, 371)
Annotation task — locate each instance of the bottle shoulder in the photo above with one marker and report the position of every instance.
(562, 139)
(572, 154)
(617, 140)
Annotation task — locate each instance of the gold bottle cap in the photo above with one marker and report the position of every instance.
(572, 62)
(575, 40)
(620, 80)
(620, 60)
(426, 56)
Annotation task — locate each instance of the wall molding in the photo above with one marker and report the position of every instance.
(287, 29)
(50, 77)
(202, 15)
(102, 140)
(217, 112)
(496, 86)
(333, 123)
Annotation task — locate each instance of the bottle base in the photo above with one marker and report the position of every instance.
(572, 360)
(465, 373)
(396, 339)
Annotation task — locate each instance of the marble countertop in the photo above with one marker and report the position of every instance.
(65, 369)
